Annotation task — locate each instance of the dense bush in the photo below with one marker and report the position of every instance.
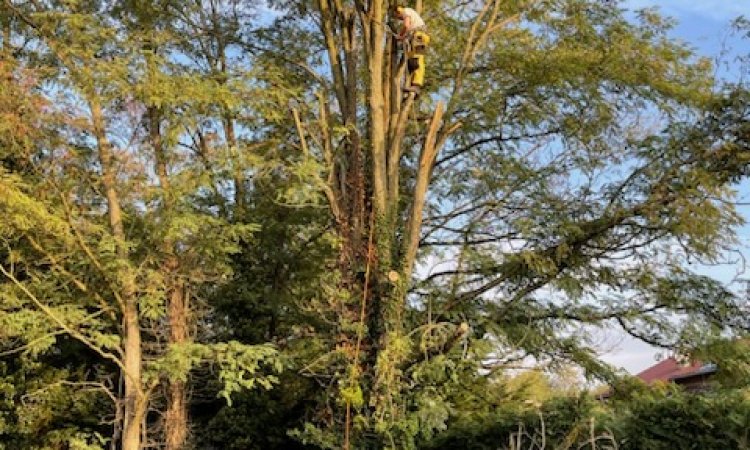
(560, 421)
(682, 421)
(646, 420)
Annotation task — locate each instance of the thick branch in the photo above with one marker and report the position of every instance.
(327, 16)
(394, 153)
(426, 161)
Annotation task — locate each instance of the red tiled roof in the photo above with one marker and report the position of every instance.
(669, 369)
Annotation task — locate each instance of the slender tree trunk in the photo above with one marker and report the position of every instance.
(135, 398)
(135, 401)
(176, 414)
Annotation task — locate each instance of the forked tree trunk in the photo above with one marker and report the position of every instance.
(388, 256)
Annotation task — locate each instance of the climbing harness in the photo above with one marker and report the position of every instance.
(415, 46)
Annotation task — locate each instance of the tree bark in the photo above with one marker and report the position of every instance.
(176, 414)
(377, 112)
(135, 397)
(426, 162)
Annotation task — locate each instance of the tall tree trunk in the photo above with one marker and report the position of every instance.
(176, 414)
(135, 397)
(377, 112)
(371, 228)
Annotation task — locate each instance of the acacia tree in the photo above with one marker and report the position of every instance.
(563, 164)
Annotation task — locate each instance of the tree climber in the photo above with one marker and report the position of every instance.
(414, 37)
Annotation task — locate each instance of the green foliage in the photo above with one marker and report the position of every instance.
(238, 365)
(49, 401)
(551, 208)
(649, 419)
(70, 271)
(731, 356)
(676, 420)
(531, 385)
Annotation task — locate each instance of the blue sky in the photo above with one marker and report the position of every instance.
(705, 26)
(717, 12)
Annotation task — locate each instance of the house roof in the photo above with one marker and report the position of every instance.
(671, 369)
